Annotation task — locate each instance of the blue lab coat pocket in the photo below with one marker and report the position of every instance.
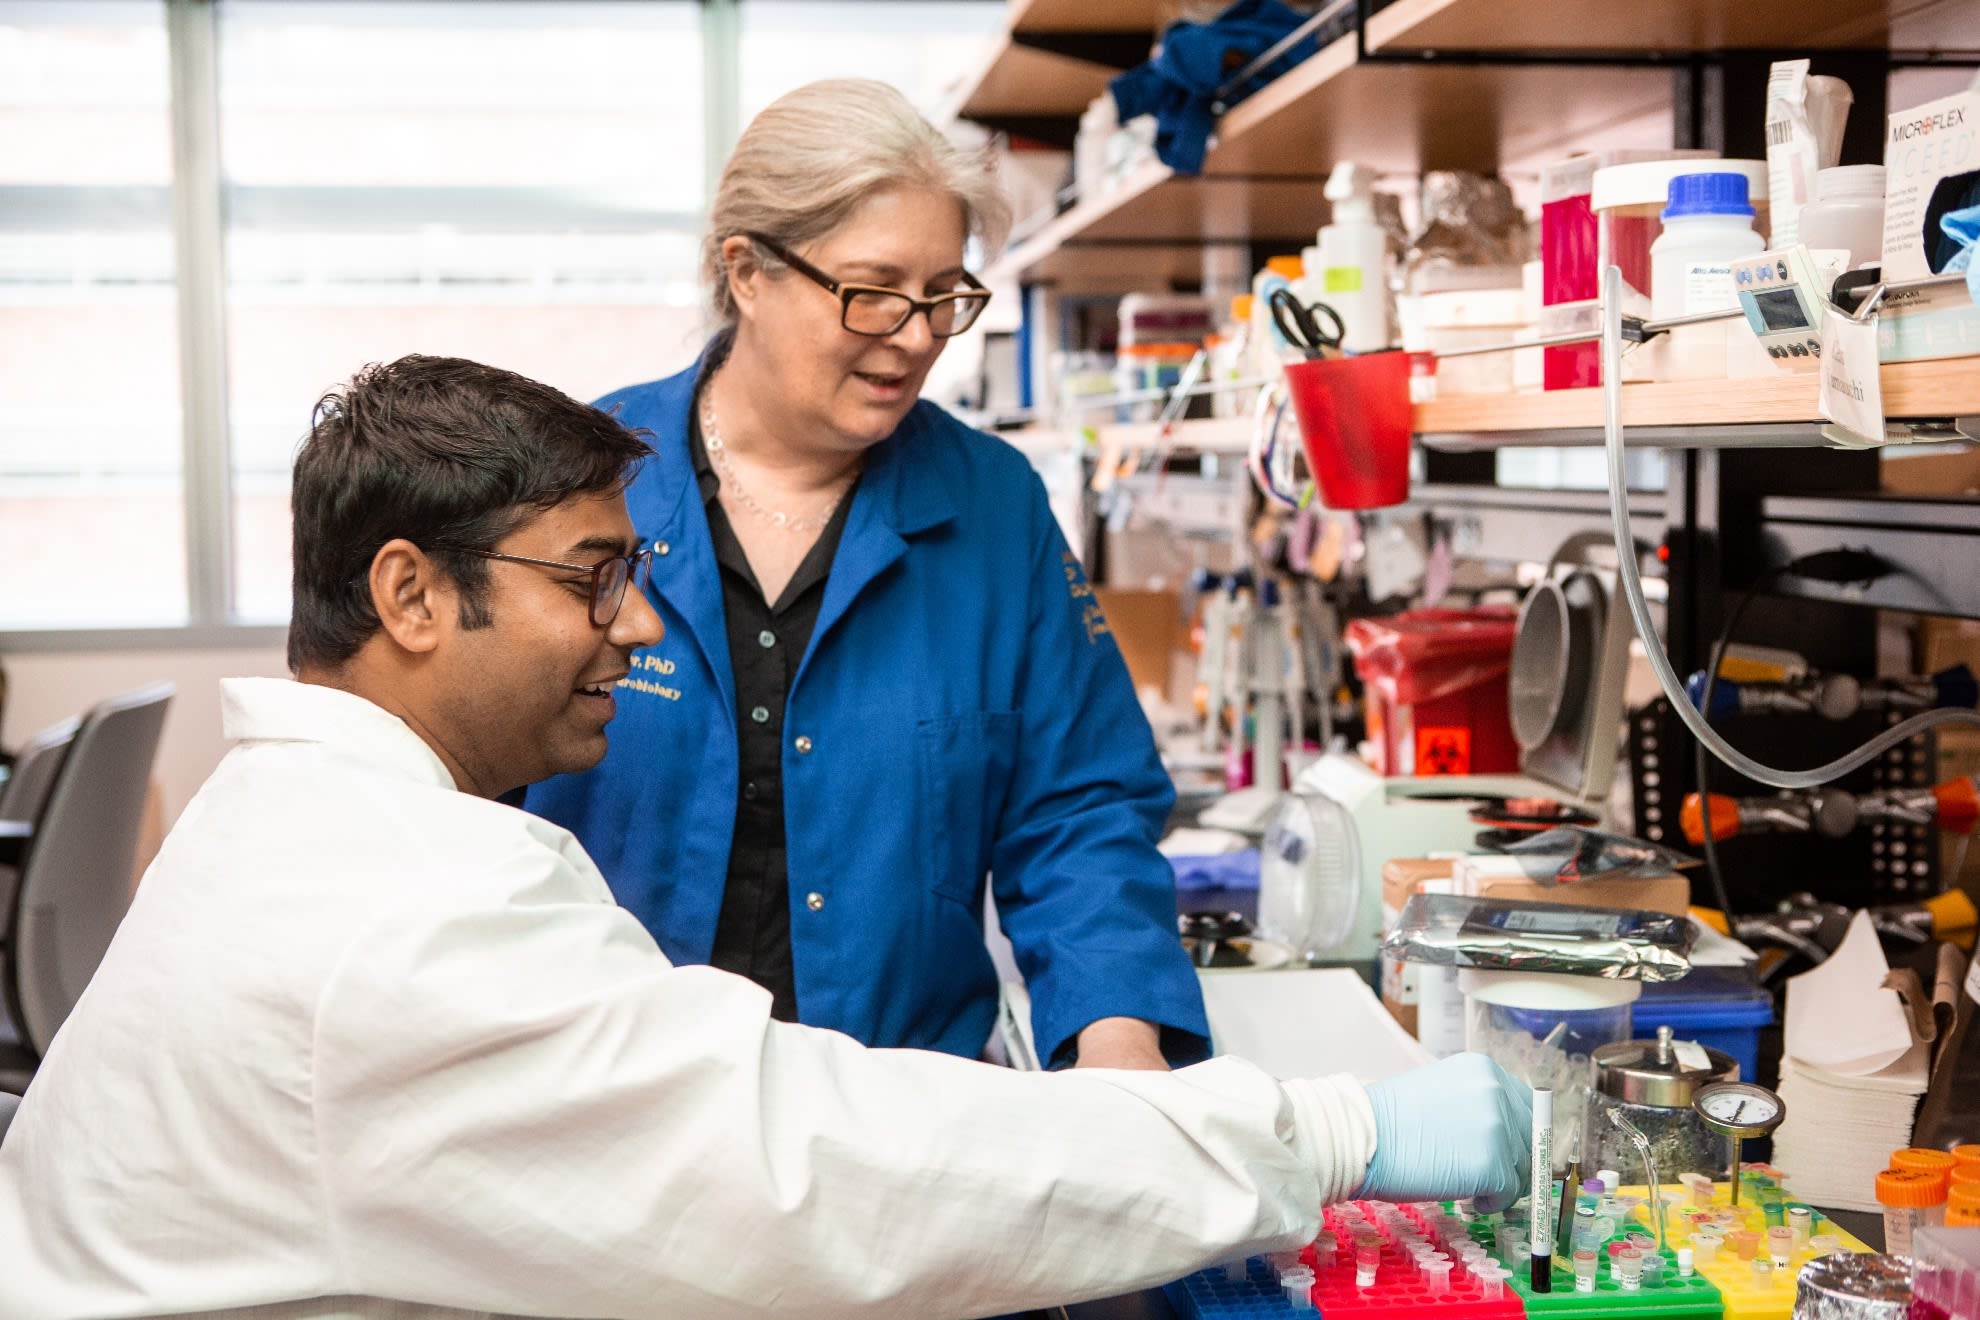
(966, 764)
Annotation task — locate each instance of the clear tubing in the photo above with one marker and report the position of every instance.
(1646, 629)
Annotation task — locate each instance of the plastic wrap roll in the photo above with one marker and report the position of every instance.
(1847, 1286)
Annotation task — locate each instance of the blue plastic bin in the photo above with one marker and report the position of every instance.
(1714, 1006)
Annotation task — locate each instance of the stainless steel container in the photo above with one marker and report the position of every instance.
(1651, 1082)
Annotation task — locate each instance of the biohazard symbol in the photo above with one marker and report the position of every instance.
(1443, 750)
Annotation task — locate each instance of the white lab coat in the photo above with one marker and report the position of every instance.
(367, 1046)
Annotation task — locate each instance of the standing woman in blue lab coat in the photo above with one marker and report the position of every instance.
(884, 680)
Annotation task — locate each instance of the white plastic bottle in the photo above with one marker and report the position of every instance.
(1269, 348)
(1348, 269)
(1708, 224)
(1847, 214)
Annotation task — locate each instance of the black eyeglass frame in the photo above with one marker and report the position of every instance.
(639, 563)
(976, 293)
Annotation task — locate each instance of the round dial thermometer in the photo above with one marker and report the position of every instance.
(1739, 1109)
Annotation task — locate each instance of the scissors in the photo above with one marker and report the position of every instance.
(1300, 323)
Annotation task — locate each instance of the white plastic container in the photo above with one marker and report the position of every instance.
(1348, 267)
(1847, 214)
(1708, 225)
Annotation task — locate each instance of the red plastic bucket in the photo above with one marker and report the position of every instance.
(1354, 418)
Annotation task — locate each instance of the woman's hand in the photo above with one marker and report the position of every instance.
(1121, 1042)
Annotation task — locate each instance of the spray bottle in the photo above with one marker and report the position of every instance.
(1349, 269)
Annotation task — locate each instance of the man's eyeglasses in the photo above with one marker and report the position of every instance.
(609, 577)
(869, 309)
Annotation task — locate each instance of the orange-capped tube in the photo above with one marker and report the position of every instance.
(1924, 1160)
(1953, 912)
(1963, 1207)
(1967, 1157)
(1725, 818)
(1959, 805)
(1911, 1188)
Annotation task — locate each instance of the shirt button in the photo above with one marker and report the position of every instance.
(662, 548)
(767, 638)
(815, 901)
(749, 792)
(761, 714)
(803, 744)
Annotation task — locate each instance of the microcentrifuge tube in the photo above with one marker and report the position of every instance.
(1705, 1246)
(1629, 1269)
(1687, 1265)
(1653, 1270)
(1610, 1178)
(1780, 1245)
(1745, 1243)
(1825, 1244)
(1584, 1271)
(1763, 1271)
(1366, 1259)
(1801, 1220)
(1438, 1274)
(1492, 1281)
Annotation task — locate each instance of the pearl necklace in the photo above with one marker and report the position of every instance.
(718, 456)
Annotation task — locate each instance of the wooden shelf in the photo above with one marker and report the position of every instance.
(1024, 81)
(1406, 118)
(1262, 179)
(1769, 404)
(1089, 15)
(1672, 26)
(1155, 224)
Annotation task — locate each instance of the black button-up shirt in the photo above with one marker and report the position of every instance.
(766, 642)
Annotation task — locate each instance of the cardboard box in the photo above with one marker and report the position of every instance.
(1931, 166)
(1401, 877)
(1148, 627)
(1664, 893)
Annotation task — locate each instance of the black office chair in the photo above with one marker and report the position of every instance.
(75, 871)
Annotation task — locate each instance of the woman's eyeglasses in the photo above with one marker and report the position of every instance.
(869, 309)
(609, 577)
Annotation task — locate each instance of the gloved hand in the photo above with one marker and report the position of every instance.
(1459, 1127)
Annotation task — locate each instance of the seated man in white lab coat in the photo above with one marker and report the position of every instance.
(371, 1043)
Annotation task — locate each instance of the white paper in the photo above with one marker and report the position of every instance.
(1839, 1018)
(1852, 394)
(1307, 1023)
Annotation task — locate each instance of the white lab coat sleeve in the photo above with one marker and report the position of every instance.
(522, 1107)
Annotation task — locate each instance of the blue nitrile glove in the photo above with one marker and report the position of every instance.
(1963, 228)
(1459, 1127)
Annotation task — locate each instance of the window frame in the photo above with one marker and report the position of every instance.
(199, 199)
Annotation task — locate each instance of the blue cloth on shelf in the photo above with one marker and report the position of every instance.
(1233, 870)
(1179, 84)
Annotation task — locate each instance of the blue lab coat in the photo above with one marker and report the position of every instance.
(962, 712)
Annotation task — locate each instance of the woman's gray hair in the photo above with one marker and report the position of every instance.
(807, 162)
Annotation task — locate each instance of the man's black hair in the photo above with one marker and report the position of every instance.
(449, 454)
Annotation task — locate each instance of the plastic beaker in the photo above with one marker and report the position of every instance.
(1354, 419)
